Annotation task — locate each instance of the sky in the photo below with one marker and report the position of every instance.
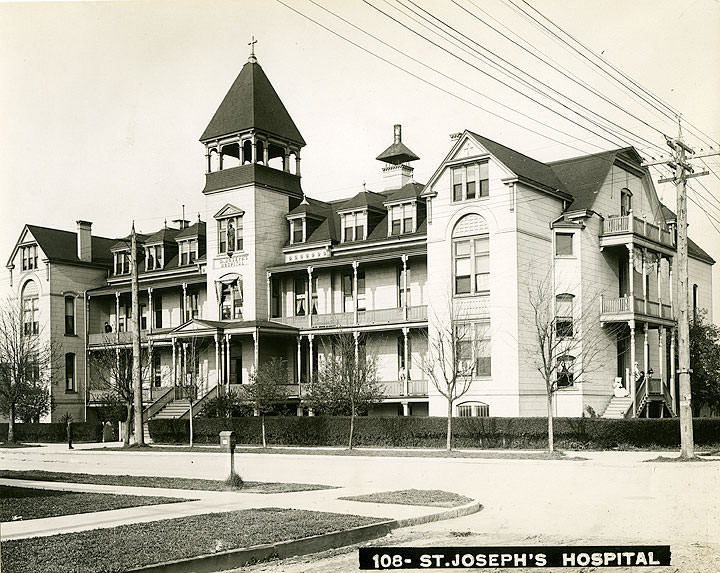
(102, 103)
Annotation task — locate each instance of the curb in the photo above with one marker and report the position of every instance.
(236, 558)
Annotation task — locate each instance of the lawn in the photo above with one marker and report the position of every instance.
(28, 503)
(152, 481)
(129, 546)
(428, 497)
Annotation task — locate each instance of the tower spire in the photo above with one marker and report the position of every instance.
(252, 59)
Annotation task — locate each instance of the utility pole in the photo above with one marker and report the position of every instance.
(682, 172)
(135, 332)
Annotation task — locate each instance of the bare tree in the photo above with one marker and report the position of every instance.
(112, 374)
(566, 344)
(193, 376)
(264, 390)
(27, 363)
(455, 353)
(346, 383)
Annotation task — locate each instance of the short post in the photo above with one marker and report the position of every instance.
(69, 433)
(227, 444)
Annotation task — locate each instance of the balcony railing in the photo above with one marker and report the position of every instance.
(636, 226)
(396, 388)
(364, 318)
(633, 304)
(112, 338)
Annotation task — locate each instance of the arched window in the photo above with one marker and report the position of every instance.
(31, 308)
(471, 256)
(70, 315)
(473, 409)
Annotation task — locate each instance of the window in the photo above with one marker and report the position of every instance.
(69, 315)
(29, 257)
(403, 293)
(564, 316)
(275, 308)
(157, 370)
(473, 348)
(470, 181)
(122, 262)
(143, 317)
(625, 202)
(314, 298)
(153, 257)
(300, 296)
(192, 306)
(402, 219)
(361, 302)
(70, 372)
(124, 319)
(157, 310)
(565, 366)
(31, 309)
(563, 244)
(347, 290)
(354, 226)
(230, 235)
(231, 301)
(473, 409)
(188, 252)
(297, 231)
(471, 256)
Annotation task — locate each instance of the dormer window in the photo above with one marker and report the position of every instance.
(29, 257)
(230, 234)
(188, 252)
(470, 181)
(298, 230)
(122, 262)
(625, 202)
(154, 257)
(354, 226)
(403, 219)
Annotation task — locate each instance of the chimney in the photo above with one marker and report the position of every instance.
(397, 133)
(84, 241)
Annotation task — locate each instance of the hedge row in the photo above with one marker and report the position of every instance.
(574, 433)
(56, 432)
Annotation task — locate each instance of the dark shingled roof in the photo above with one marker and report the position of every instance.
(253, 173)
(364, 199)
(162, 236)
(312, 207)
(124, 242)
(61, 246)
(583, 176)
(408, 191)
(396, 154)
(523, 166)
(694, 250)
(252, 103)
(196, 230)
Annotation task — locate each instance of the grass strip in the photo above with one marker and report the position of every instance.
(153, 481)
(121, 548)
(28, 503)
(428, 497)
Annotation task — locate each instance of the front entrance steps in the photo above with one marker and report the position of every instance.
(618, 407)
(174, 409)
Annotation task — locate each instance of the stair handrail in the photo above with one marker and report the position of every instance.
(167, 396)
(640, 394)
(197, 405)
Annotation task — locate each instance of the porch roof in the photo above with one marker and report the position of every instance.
(201, 327)
(152, 282)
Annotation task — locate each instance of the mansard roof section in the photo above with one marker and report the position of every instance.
(312, 208)
(196, 230)
(253, 174)
(61, 246)
(252, 104)
(164, 235)
(123, 244)
(408, 191)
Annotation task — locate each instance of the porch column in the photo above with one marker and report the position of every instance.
(670, 288)
(151, 318)
(672, 369)
(220, 158)
(183, 305)
(646, 360)
(297, 163)
(218, 377)
(266, 153)
(661, 354)
(117, 314)
(183, 359)
(311, 361)
(286, 161)
(355, 292)
(659, 284)
(309, 294)
(228, 344)
(174, 362)
(405, 289)
(406, 382)
(406, 408)
(151, 368)
(253, 147)
(631, 275)
(644, 286)
(269, 294)
(632, 384)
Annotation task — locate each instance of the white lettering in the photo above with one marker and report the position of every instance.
(583, 559)
(568, 560)
(653, 561)
(467, 560)
(641, 559)
(541, 560)
(520, 560)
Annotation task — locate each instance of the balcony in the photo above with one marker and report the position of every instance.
(620, 230)
(113, 338)
(621, 309)
(396, 388)
(373, 317)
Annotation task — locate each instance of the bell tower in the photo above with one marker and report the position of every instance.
(252, 181)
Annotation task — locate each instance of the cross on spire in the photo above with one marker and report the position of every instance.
(252, 46)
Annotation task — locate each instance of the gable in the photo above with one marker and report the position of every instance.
(229, 211)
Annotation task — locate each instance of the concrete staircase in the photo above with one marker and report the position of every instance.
(172, 410)
(618, 407)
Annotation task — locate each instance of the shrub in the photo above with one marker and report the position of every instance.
(230, 405)
(411, 432)
(56, 432)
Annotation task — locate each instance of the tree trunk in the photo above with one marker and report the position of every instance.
(11, 425)
(352, 428)
(262, 423)
(448, 443)
(191, 425)
(128, 424)
(135, 331)
(551, 436)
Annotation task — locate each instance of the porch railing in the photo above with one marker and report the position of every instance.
(636, 226)
(396, 388)
(369, 317)
(627, 304)
(111, 338)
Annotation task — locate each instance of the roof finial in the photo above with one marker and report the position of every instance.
(364, 188)
(252, 59)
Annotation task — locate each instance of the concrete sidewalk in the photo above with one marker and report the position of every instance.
(206, 502)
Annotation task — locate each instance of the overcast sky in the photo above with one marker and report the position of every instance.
(102, 104)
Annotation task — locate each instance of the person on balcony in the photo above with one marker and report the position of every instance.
(108, 328)
(619, 391)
